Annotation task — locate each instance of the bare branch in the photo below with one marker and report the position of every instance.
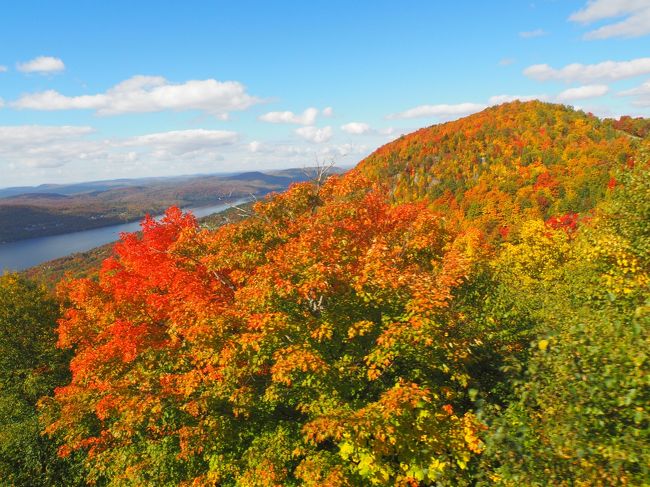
(319, 173)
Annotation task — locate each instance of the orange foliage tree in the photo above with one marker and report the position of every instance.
(356, 332)
(507, 164)
(325, 340)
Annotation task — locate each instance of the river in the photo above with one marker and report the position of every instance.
(20, 255)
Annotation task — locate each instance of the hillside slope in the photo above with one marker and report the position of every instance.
(339, 336)
(508, 163)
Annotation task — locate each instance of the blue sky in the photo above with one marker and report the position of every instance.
(100, 90)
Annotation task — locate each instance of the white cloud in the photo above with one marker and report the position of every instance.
(16, 134)
(605, 9)
(583, 92)
(499, 99)
(334, 152)
(506, 61)
(141, 94)
(315, 134)
(442, 111)
(308, 117)
(392, 133)
(35, 154)
(533, 33)
(53, 100)
(356, 128)
(579, 93)
(41, 145)
(643, 89)
(607, 70)
(3, 69)
(635, 22)
(304, 154)
(37, 146)
(41, 64)
(640, 94)
(278, 150)
(2, 102)
(184, 141)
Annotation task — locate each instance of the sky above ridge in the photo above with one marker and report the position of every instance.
(103, 90)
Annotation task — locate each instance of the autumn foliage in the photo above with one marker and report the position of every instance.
(413, 322)
(508, 164)
(319, 339)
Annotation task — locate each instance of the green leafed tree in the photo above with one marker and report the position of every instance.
(30, 367)
(579, 415)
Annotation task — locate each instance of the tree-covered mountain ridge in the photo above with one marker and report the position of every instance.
(510, 162)
(469, 306)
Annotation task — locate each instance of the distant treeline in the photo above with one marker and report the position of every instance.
(39, 214)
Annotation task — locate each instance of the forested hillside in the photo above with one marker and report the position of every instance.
(508, 164)
(469, 306)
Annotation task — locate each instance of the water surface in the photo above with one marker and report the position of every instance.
(16, 256)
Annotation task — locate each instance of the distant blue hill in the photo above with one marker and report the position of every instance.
(280, 176)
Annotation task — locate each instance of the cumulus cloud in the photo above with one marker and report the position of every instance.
(308, 117)
(442, 111)
(17, 134)
(41, 65)
(607, 70)
(185, 141)
(53, 100)
(583, 92)
(640, 94)
(304, 155)
(499, 99)
(533, 33)
(39, 146)
(3, 69)
(579, 93)
(448, 112)
(356, 128)
(286, 151)
(36, 153)
(387, 131)
(635, 16)
(197, 146)
(315, 134)
(141, 94)
(605, 9)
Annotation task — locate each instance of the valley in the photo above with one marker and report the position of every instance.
(31, 212)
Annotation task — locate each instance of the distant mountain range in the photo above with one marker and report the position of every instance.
(279, 176)
(51, 209)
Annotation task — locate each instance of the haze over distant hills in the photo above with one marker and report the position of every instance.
(278, 176)
(51, 209)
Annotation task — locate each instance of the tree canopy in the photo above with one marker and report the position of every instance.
(468, 306)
